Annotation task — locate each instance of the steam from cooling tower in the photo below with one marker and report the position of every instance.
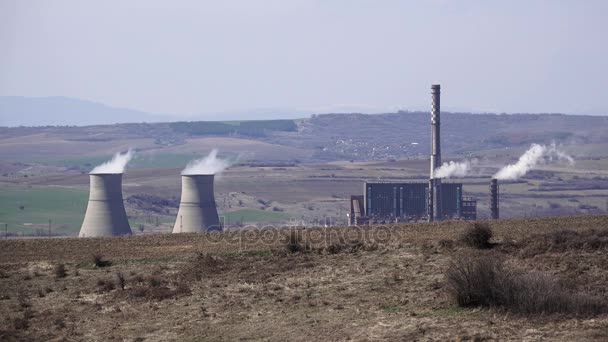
(455, 169)
(531, 159)
(116, 165)
(209, 165)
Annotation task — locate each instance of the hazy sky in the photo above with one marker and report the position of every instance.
(197, 57)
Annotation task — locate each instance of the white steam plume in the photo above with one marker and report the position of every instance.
(116, 164)
(209, 165)
(454, 169)
(532, 158)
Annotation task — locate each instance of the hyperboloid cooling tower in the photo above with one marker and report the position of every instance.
(197, 209)
(106, 215)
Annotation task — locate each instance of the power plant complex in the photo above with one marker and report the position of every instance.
(381, 202)
(435, 200)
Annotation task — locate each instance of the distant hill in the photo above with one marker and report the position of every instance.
(43, 111)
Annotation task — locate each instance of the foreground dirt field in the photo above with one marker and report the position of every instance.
(353, 284)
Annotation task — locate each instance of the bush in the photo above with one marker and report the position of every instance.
(295, 244)
(484, 280)
(122, 281)
(477, 236)
(105, 285)
(60, 271)
(99, 261)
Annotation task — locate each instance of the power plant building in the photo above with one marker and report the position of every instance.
(408, 201)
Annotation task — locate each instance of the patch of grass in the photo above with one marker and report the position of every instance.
(477, 235)
(254, 215)
(391, 307)
(65, 207)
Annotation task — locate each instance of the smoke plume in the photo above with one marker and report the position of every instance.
(532, 158)
(209, 165)
(116, 164)
(454, 169)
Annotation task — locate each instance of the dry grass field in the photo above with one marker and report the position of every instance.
(339, 284)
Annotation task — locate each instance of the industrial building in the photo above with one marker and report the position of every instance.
(433, 200)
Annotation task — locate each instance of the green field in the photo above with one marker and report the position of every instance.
(29, 209)
(253, 215)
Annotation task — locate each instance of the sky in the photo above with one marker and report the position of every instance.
(212, 58)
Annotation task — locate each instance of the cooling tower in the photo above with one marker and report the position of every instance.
(494, 199)
(106, 215)
(197, 209)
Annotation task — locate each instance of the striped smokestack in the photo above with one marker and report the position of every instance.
(435, 212)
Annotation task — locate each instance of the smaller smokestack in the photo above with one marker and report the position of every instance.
(197, 209)
(429, 198)
(494, 199)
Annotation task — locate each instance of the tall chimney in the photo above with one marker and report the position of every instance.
(435, 183)
(106, 215)
(494, 199)
(197, 209)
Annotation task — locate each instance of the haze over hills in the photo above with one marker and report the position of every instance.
(43, 111)
(67, 111)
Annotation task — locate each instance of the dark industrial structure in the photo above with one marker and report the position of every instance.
(434, 200)
(395, 202)
(494, 198)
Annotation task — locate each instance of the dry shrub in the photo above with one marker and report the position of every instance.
(99, 261)
(477, 235)
(202, 265)
(60, 271)
(335, 248)
(562, 240)
(485, 280)
(295, 243)
(3, 274)
(23, 323)
(122, 281)
(104, 285)
(446, 243)
(159, 293)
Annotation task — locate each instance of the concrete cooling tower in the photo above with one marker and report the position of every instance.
(106, 215)
(197, 209)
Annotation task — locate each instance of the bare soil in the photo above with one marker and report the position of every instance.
(369, 283)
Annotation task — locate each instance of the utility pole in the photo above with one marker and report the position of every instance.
(181, 223)
(6, 230)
